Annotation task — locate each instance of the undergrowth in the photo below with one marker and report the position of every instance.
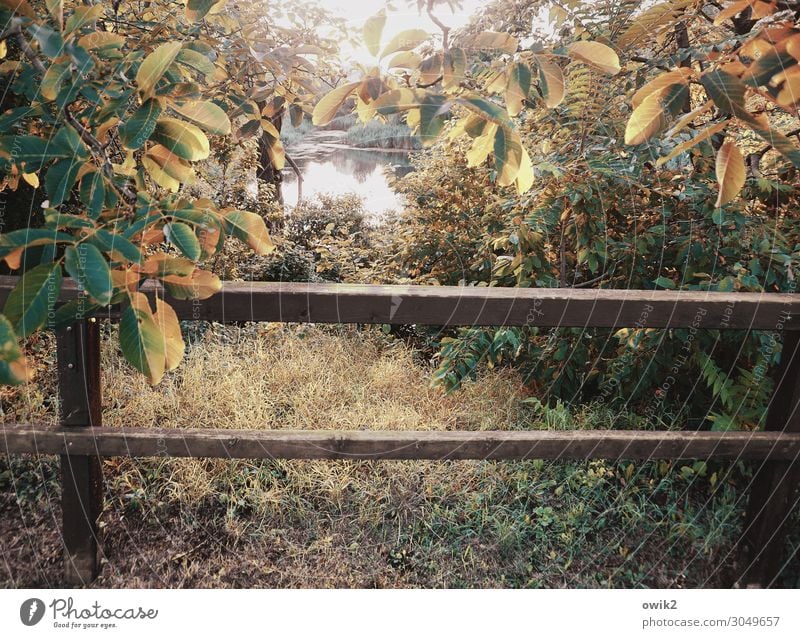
(215, 522)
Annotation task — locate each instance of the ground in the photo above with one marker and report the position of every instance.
(217, 523)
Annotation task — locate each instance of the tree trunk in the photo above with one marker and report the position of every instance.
(266, 171)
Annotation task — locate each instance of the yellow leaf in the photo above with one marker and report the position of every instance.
(373, 29)
(646, 120)
(277, 154)
(405, 41)
(32, 179)
(596, 55)
(206, 115)
(519, 81)
(730, 172)
(125, 278)
(167, 321)
(159, 175)
(494, 40)
(328, 106)
(14, 258)
(171, 164)
(789, 81)
(525, 175)
(678, 76)
(731, 10)
(249, 228)
(56, 9)
(551, 79)
(482, 146)
(155, 66)
(405, 60)
(685, 146)
(181, 138)
(201, 284)
(101, 39)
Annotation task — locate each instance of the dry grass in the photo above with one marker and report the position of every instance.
(305, 378)
(214, 522)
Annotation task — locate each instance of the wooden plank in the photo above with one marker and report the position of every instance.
(373, 445)
(81, 475)
(471, 306)
(775, 489)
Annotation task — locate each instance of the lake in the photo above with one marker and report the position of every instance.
(329, 165)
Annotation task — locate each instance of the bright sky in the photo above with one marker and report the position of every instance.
(356, 13)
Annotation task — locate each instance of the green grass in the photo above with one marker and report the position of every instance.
(376, 134)
(292, 135)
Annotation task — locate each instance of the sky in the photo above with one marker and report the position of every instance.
(356, 13)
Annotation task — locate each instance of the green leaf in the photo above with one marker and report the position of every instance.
(72, 311)
(10, 242)
(13, 368)
(87, 266)
(725, 90)
(93, 193)
(140, 126)
(760, 72)
(196, 10)
(141, 341)
(433, 112)
(33, 297)
(53, 79)
(60, 179)
(665, 283)
(67, 138)
(183, 238)
(50, 42)
(110, 242)
(196, 61)
(486, 109)
(34, 151)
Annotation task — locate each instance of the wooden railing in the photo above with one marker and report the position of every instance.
(81, 440)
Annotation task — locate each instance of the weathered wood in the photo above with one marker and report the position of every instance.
(775, 490)
(81, 477)
(391, 444)
(472, 306)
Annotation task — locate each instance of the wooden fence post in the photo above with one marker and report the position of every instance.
(774, 492)
(81, 478)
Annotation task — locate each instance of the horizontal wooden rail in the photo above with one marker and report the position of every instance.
(372, 445)
(473, 306)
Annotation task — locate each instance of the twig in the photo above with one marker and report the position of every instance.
(296, 169)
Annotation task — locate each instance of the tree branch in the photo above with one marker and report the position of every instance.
(299, 174)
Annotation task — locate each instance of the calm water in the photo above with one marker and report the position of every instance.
(328, 165)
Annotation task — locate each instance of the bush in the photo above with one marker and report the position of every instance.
(327, 216)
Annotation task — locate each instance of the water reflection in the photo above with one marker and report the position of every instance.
(328, 166)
